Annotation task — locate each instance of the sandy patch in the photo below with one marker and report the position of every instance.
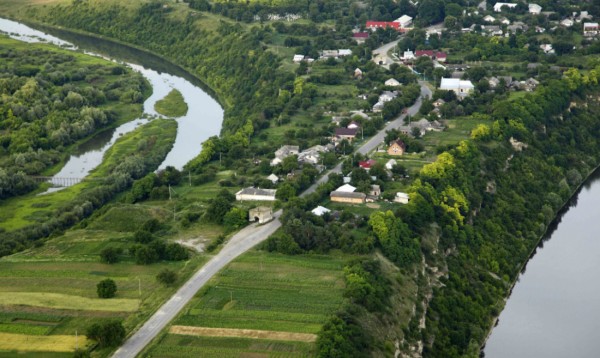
(243, 333)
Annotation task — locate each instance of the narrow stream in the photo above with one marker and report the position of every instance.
(554, 309)
(204, 117)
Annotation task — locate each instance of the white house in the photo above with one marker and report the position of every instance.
(256, 194)
(320, 210)
(298, 58)
(408, 56)
(344, 52)
(460, 87)
(273, 178)
(489, 18)
(392, 82)
(535, 9)
(404, 21)
(567, 23)
(547, 48)
(590, 29)
(499, 5)
(505, 21)
(401, 198)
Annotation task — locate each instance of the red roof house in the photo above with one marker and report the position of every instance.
(367, 164)
(382, 24)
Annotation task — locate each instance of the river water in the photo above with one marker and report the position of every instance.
(554, 309)
(204, 117)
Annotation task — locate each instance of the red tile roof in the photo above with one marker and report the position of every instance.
(367, 164)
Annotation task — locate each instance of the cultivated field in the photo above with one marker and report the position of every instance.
(262, 303)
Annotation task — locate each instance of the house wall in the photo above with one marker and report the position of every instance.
(340, 199)
(241, 197)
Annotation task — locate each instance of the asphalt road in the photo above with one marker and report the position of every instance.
(237, 245)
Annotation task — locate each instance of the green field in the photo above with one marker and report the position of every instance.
(177, 346)
(262, 291)
(173, 105)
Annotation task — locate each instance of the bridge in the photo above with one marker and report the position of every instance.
(61, 182)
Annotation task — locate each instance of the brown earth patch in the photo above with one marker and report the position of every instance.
(243, 333)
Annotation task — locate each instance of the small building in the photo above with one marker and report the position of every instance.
(360, 37)
(353, 125)
(298, 58)
(273, 178)
(397, 147)
(404, 21)
(345, 197)
(547, 48)
(392, 82)
(408, 56)
(284, 152)
(567, 23)
(489, 18)
(374, 25)
(358, 73)
(460, 87)
(262, 214)
(367, 164)
(320, 210)
(390, 164)
(505, 21)
(255, 194)
(375, 190)
(401, 198)
(344, 133)
(434, 55)
(590, 29)
(535, 9)
(499, 5)
(343, 52)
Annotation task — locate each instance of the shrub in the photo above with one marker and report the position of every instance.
(110, 255)
(106, 288)
(108, 334)
(166, 277)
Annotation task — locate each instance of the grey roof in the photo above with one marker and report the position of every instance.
(256, 191)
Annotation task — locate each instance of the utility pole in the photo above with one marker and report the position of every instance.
(169, 192)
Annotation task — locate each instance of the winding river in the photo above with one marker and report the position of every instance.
(554, 309)
(204, 117)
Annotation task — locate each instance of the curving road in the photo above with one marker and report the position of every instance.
(237, 245)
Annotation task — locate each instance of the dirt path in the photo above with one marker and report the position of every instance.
(243, 333)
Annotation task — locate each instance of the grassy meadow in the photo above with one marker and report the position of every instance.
(173, 105)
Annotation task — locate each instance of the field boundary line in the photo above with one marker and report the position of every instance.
(243, 333)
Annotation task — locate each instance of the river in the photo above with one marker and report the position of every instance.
(554, 309)
(204, 117)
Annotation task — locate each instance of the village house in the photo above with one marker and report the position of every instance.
(344, 133)
(404, 21)
(567, 23)
(312, 155)
(392, 82)
(505, 21)
(353, 125)
(397, 147)
(434, 55)
(375, 190)
(439, 102)
(460, 87)
(492, 30)
(358, 73)
(408, 56)
(401, 198)
(255, 194)
(346, 188)
(367, 164)
(273, 178)
(489, 18)
(535, 9)
(345, 197)
(284, 152)
(499, 5)
(262, 214)
(516, 27)
(360, 37)
(547, 48)
(320, 211)
(590, 29)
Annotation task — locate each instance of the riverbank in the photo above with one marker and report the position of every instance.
(549, 230)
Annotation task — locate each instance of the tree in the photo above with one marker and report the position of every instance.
(110, 255)
(106, 288)
(108, 334)
(285, 192)
(166, 277)
(235, 218)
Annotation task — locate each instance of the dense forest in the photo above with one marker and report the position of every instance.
(50, 99)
